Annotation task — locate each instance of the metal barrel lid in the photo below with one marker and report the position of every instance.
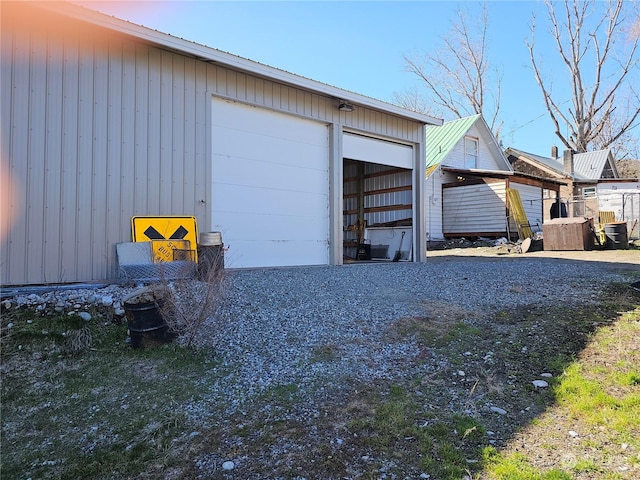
(210, 238)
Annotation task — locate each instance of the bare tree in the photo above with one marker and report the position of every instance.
(458, 77)
(597, 44)
(413, 99)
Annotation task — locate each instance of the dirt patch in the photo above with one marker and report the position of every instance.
(629, 256)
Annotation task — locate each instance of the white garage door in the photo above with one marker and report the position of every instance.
(270, 187)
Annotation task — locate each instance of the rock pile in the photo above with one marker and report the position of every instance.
(83, 302)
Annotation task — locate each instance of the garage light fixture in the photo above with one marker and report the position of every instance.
(345, 107)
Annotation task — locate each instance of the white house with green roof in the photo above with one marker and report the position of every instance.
(467, 176)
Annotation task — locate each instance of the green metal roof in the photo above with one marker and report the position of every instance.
(441, 140)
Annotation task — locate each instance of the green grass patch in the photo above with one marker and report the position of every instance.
(446, 447)
(94, 409)
(517, 467)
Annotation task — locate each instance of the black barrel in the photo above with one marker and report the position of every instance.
(144, 318)
(616, 234)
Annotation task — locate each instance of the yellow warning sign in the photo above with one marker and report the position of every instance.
(172, 238)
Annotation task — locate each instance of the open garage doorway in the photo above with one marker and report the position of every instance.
(377, 212)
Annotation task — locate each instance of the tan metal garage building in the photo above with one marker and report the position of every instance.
(103, 120)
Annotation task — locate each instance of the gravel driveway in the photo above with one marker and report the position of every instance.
(277, 319)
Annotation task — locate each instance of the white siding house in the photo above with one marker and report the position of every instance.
(467, 178)
(463, 195)
(103, 120)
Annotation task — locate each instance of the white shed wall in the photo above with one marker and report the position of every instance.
(531, 197)
(98, 127)
(474, 208)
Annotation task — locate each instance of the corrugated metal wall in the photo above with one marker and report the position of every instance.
(97, 128)
(391, 181)
(385, 189)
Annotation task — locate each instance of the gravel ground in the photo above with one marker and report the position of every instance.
(325, 330)
(277, 319)
(274, 320)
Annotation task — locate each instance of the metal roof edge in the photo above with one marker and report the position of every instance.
(479, 171)
(211, 54)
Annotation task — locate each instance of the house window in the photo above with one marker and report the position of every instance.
(589, 192)
(470, 152)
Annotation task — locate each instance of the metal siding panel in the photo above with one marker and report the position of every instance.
(15, 74)
(7, 191)
(178, 166)
(53, 181)
(113, 158)
(178, 132)
(202, 156)
(166, 133)
(154, 134)
(186, 188)
(433, 206)
(36, 153)
(85, 159)
(99, 202)
(142, 97)
(69, 160)
(128, 132)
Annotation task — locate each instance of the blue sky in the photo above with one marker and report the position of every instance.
(360, 45)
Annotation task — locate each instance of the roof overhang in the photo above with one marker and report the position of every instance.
(479, 173)
(211, 55)
(619, 180)
(476, 172)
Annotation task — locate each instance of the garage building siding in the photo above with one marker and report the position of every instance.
(98, 126)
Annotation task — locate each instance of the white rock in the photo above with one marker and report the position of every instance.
(228, 465)
(86, 316)
(498, 410)
(461, 373)
(546, 375)
(573, 433)
(540, 384)
(425, 475)
(107, 300)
